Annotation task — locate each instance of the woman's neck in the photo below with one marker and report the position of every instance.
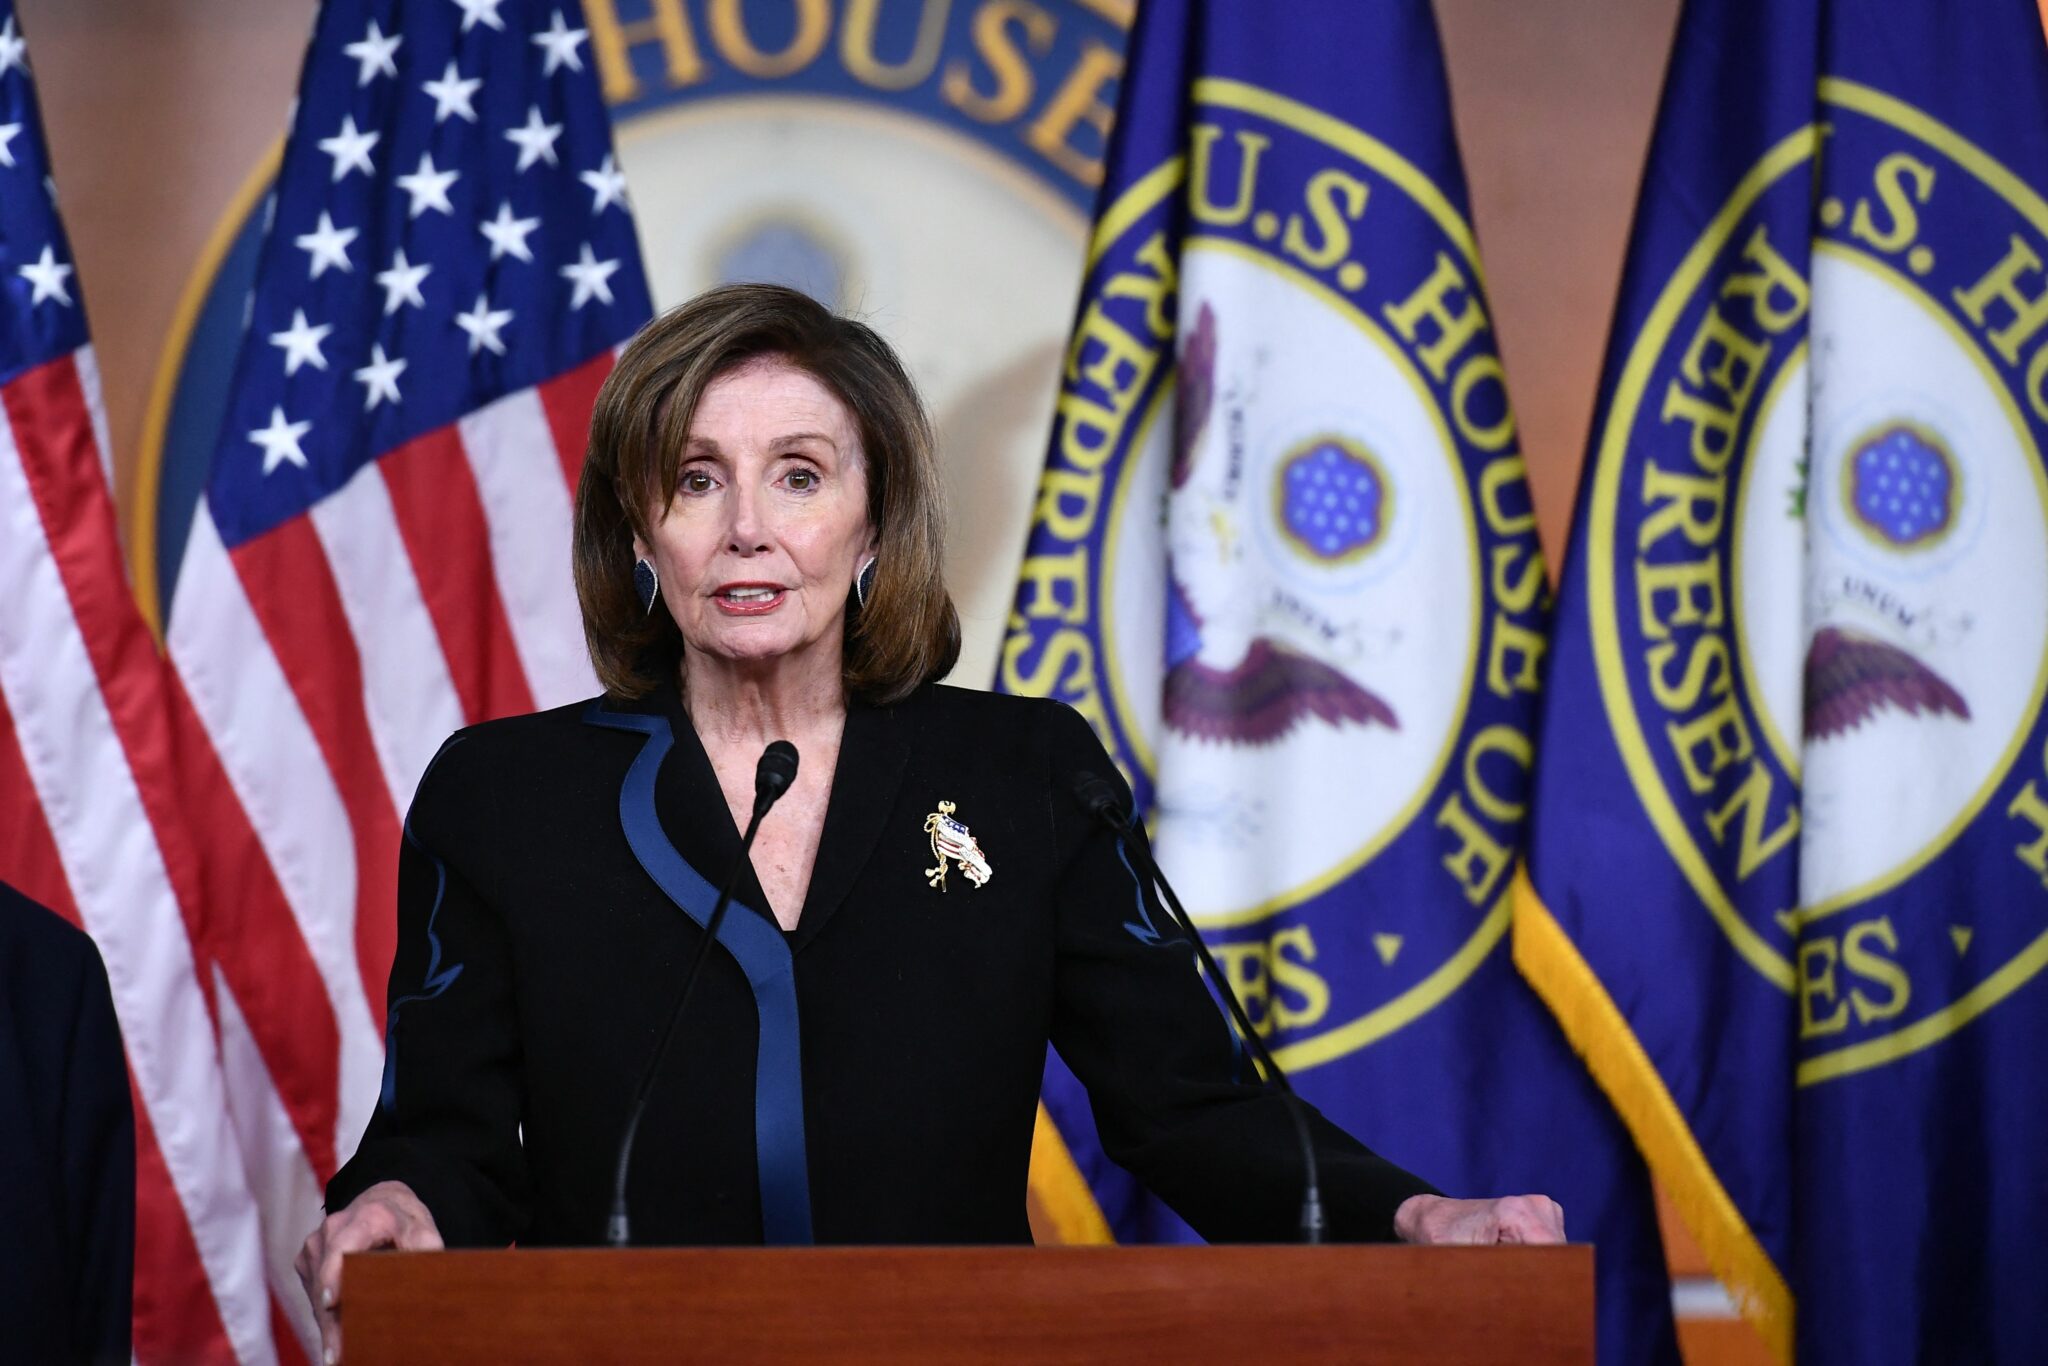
(750, 702)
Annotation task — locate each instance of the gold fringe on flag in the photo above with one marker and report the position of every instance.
(1552, 965)
(1059, 1194)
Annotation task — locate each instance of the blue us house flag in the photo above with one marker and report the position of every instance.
(1790, 856)
(1284, 562)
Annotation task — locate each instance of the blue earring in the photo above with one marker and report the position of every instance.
(646, 585)
(864, 583)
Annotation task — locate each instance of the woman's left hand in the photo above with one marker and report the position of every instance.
(1509, 1219)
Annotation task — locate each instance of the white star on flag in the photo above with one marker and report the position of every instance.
(301, 343)
(480, 11)
(507, 234)
(380, 377)
(373, 54)
(280, 441)
(350, 148)
(452, 94)
(607, 185)
(536, 141)
(402, 283)
(428, 187)
(13, 49)
(590, 276)
(560, 42)
(47, 276)
(483, 323)
(326, 246)
(8, 133)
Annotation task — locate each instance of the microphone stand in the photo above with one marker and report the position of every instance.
(772, 777)
(1098, 797)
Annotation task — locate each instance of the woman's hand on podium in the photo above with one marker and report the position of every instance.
(1509, 1219)
(388, 1214)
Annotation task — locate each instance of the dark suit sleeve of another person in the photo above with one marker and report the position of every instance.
(1175, 1100)
(447, 1116)
(67, 1146)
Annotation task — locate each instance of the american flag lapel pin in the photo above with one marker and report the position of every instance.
(952, 843)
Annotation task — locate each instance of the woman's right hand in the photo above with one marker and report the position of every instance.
(388, 1214)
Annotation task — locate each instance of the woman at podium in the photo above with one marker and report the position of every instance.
(758, 542)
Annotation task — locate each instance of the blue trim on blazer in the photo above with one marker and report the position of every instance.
(763, 955)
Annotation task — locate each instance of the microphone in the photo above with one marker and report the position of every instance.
(773, 776)
(1098, 797)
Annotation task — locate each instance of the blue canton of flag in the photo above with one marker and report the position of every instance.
(1283, 560)
(1789, 870)
(449, 226)
(43, 318)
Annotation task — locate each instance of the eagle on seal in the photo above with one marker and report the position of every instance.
(1851, 676)
(1258, 692)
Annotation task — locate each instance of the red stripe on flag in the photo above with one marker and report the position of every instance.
(46, 407)
(567, 399)
(258, 945)
(441, 519)
(291, 587)
(289, 1352)
(176, 1319)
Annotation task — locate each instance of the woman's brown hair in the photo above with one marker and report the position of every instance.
(908, 634)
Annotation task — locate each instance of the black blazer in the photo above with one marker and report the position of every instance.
(539, 953)
(67, 1146)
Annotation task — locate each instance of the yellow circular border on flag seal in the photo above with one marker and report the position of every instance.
(1387, 599)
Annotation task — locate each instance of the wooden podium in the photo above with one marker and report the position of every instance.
(1173, 1305)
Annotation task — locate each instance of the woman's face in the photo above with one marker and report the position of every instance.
(758, 548)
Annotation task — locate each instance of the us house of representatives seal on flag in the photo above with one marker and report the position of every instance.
(1284, 562)
(1321, 676)
(1790, 860)
(1895, 467)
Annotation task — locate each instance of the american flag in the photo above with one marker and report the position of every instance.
(90, 822)
(381, 554)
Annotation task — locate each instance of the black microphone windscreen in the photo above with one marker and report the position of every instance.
(776, 771)
(1098, 796)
